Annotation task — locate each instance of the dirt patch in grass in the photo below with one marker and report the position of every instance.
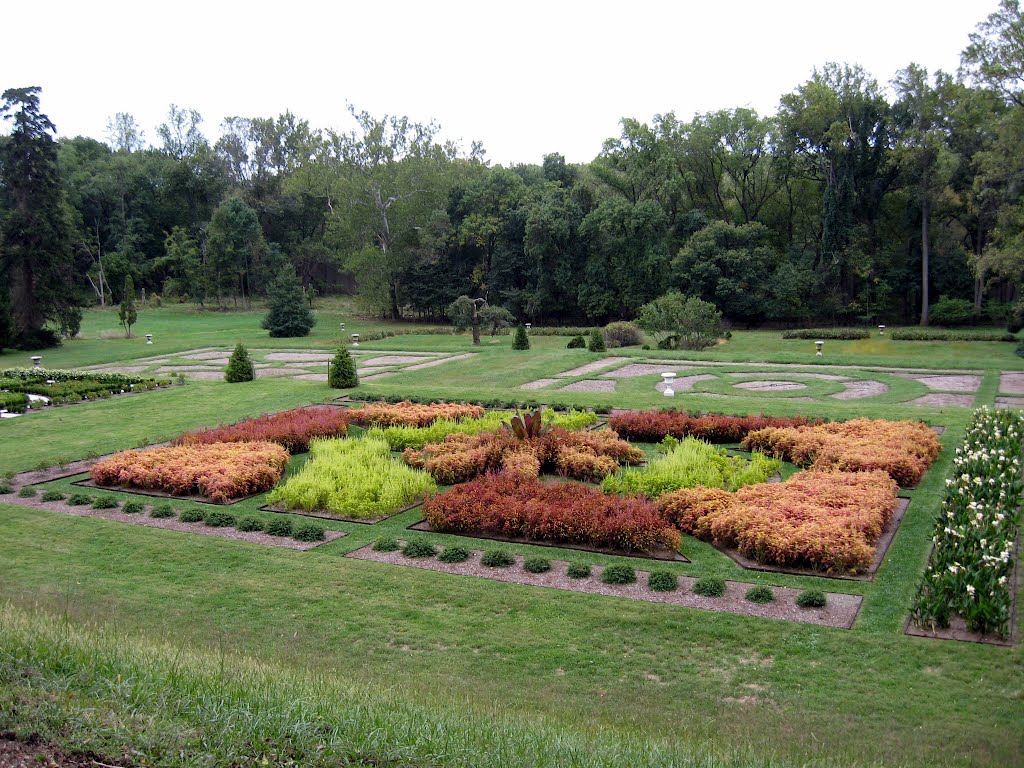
(962, 383)
(881, 547)
(15, 753)
(943, 399)
(855, 390)
(840, 610)
(769, 385)
(589, 368)
(539, 383)
(590, 385)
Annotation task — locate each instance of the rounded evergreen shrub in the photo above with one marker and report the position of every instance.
(343, 371)
(578, 570)
(811, 598)
(240, 366)
(288, 315)
(162, 510)
(79, 499)
(537, 564)
(220, 520)
(576, 342)
(950, 311)
(618, 574)
(5, 488)
(386, 544)
(520, 340)
(497, 558)
(596, 343)
(760, 594)
(280, 526)
(249, 523)
(419, 548)
(133, 507)
(104, 502)
(26, 493)
(52, 495)
(709, 586)
(454, 554)
(193, 515)
(308, 532)
(620, 334)
(663, 581)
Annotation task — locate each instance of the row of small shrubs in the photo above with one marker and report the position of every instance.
(847, 334)
(655, 426)
(120, 380)
(491, 403)
(15, 402)
(936, 334)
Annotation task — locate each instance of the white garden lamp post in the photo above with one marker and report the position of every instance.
(342, 327)
(149, 338)
(881, 330)
(668, 379)
(818, 345)
(36, 361)
(528, 327)
(355, 339)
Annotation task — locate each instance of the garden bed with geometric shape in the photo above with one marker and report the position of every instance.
(840, 610)
(776, 384)
(325, 515)
(292, 429)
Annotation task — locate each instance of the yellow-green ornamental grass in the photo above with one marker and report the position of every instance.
(353, 478)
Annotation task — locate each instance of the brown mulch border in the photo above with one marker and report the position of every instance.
(957, 629)
(840, 612)
(172, 524)
(194, 499)
(324, 515)
(661, 554)
(881, 547)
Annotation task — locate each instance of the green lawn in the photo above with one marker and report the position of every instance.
(122, 637)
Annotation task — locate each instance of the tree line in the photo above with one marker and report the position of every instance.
(852, 204)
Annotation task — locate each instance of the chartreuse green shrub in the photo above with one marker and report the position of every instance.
(352, 478)
(690, 462)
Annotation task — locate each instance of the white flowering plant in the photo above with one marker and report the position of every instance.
(972, 563)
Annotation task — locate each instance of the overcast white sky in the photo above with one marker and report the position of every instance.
(525, 78)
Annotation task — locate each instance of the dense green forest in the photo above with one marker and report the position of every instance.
(855, 203)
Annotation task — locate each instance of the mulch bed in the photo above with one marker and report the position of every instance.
(661, 554)
(840, 612)
(325, 515)
(888, 534)
(171, 524)
(195, 498)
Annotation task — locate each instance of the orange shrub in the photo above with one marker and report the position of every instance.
(826, 520)
(218, 471)
(904, 449)
(406, 414)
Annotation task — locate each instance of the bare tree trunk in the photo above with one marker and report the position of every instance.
(476, 324)
(925, 213)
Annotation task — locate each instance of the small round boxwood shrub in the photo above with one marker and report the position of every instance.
(133, 507)
(760, 594)
(219, 520)
(419, 548)
(194, 515)
(26, 493)
(537, 564)
(618, 574)
(162, 510)
(663, 581)
(454, 554)
(709, 586)
(497, 558)
(104, 502)
(576, 342)
(811, 598)
(5, 488)
(386, 544)
(578, 570)
(308, 532)
(250, 523)
(53, 495)
(78, 499)
(279, 527)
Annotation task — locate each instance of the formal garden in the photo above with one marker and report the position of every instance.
(747, 560)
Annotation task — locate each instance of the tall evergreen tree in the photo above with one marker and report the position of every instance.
(288, 316)
(36, 263)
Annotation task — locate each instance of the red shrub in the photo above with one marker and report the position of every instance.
(904, 449)
(219, 471)
(406, 414)
(827, 520)
(514, 506)
(293, 429)
(655, 426)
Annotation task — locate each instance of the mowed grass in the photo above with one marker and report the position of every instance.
(445, 670)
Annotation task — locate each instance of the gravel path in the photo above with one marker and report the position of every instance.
(589, 385)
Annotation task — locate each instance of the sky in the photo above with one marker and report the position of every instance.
(525, 78)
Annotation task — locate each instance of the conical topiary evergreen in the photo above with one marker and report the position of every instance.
(289, 315)
(520, 340)
(240, 366)
(343, 371)
(596, 341)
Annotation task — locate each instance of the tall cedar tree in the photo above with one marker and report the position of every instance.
(127, 313)
(343, 371)
(520, 340)
(289, 315)
(596, 341)
(36, 263)
(240, 366)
